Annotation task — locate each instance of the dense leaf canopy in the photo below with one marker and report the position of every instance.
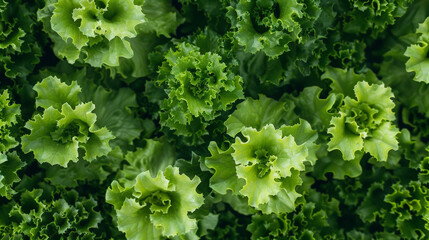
(214, 119)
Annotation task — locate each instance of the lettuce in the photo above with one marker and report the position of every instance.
(269, 162)
(198, 88)
(214, 119)
(266, 25)
(58, 134)
(20, 49)
(158, 206)
(417, 54)
(365, 123)
(96, 28)
(9, 117)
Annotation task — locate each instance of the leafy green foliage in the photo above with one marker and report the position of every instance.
(96, 28)
(365, 123)
(9, 116)
(56, 137)
(58, 134)
(261, 26)
(268, 161)
(19, 48)
(39, 216)
(9, 165)
(198, 88)
(214, 119)
(417, 54)
(259, 113)
(158, 206)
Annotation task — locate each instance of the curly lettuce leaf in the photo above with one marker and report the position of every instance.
(303, 134)
(259, 113)
(199, 87)
(285, 200)
(52, 92)
(155, 156)
(344, 140)
(38, 216)
(365, 123)
(9, 111)
(158, 206)
(225, 175)
(417, 54)
(94, 32)
(56, 137)
(266, 25)
(265, 168)
(316, 110)
(408, 205)
(10, 163)
(19, 39)
(9, 115)
(343, 81)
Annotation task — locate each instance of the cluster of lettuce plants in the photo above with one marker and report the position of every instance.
(214, 119)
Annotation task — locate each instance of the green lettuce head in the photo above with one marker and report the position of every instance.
(152, 207)
(95, 32)
(265, 168)
(365, 123)
(198, 87)
(60, 136)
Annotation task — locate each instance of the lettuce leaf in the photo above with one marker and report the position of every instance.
(56, 137)
(158, 206)
(365, 124)
(198, 87)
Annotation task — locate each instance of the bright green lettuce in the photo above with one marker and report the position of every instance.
(94, 32)
(417, 54)
(365, 123)
(268, 161)
(157, 206)
(264, 158)
(214, 119)
(56, 136)
(259, 113)
(51, 92)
